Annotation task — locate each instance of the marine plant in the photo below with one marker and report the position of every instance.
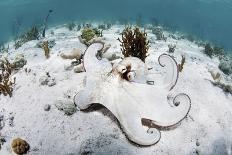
(225, 65)
(181, 65)
(6, 84)
(88, 34)
(171, 48)
(102, 26)
(134, 43)
(46, 49)
(45, 22)
(213, 50)
(71, 26)
(4, 49)
(159, 33)
(31, 34)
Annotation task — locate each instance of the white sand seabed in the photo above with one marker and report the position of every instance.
(209, 122)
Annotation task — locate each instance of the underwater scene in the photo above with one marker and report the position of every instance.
(123, 77)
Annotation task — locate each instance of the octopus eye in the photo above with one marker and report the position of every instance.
(123, 70)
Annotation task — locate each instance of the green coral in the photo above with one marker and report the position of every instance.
(88, 34)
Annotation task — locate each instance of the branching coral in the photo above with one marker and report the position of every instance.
(134, 43)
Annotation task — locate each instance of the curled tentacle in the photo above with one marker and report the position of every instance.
(173, 115)
(172, 71)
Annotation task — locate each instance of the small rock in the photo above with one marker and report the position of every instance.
(47, 107)
(68, 67)
(79, 68)
(20, 146)
(67, 106)
(47, 80)
(44, 80)
(197, 143)
(11, 121)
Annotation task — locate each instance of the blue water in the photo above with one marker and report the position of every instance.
(207, 19)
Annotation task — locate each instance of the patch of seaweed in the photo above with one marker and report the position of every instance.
(213, 51)
(134, 43)
(6, 84)
(181, 65)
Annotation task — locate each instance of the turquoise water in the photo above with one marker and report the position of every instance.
(206, 19)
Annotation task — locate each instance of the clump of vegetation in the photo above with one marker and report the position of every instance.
(31, 34)
(6, 84)
(159, 33)
(225, 66)
(171, 48)
(105, 26)
(102, 26)
(134, 43)
(181, 65)
(45, 22)
(4, 49)
(213, 51)
(51, 43)
(88, 34)
(20, 146)
(46, 49)
(71, 26)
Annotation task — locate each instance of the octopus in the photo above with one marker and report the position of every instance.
(142, 107)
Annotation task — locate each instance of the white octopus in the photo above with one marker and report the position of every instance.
(142, 109)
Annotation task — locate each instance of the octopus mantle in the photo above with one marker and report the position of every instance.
(142, 108)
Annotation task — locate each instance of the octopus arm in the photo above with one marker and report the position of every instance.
(171, 71)
(96, 71)
(153, 104)
(124, 108)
